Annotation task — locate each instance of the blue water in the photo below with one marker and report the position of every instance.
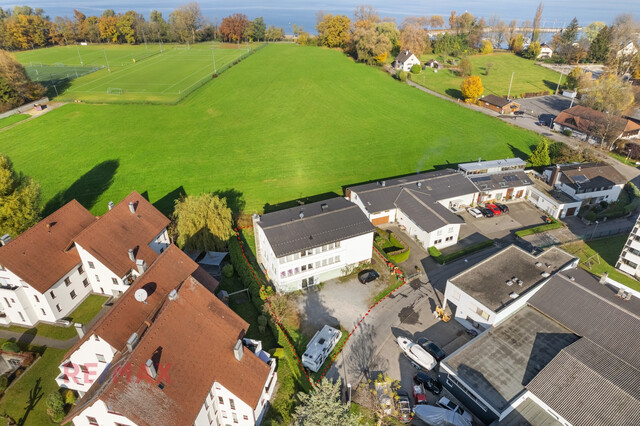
(285, 13)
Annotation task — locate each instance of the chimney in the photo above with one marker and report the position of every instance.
(80, 329)
(110, 205)
(132, 342)
(141, 265)
(4, 240)
(151, 369)
(603, 278)
(238, 350)
(301, 214)
(554, 175)
(173, 295)
(132, 207)
(131, 256)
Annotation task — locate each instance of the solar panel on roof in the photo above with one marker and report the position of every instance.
(580, 178)
(510, 178)
(482, 179)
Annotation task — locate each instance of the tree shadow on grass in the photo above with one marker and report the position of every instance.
(87, 189)
(235, 200)
(454, 93)
(268, 208)
(517, 152)
(35, 395)
(167, 204)
(551, 85)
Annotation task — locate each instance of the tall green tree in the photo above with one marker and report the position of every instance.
(203, 222)
(322, 406)
(570, 34)
(259, 28)
(600, 46)
(19, 200)
(540, 156)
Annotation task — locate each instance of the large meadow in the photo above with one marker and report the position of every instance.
(287, 122)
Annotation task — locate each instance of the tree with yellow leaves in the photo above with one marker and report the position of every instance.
(333, 30)
(472, 87)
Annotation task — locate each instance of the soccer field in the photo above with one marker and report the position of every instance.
(163, 74)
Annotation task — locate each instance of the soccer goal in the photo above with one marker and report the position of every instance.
(114, 91)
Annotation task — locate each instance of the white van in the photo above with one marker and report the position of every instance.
(320, 347)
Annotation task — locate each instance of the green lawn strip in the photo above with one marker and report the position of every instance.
(334, 353)
(12, 119)
(26, 399)
(528, 76)
(444, 258)
(555, 224)
(83, 314)
(396, 283)
(311, 106)
(622, 158)
(368, 416)
(608, 250)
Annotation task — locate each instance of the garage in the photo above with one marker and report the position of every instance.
(380, 220)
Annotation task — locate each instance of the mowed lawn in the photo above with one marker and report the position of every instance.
(12, 119)
(288, 122)
(528, 76)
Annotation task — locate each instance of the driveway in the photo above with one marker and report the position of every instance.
(544, 108)
(522, 214)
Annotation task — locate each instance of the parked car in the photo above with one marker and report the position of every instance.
(403, 404)
(474, 212)
(445, 402)
(419, 395)
(428, 382)
(367, 275)
(486, 212)
(503, 208)
(496, 211)
(433, 349)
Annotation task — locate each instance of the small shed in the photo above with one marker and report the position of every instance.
(432, 63)
(213, 261)
(498, 104)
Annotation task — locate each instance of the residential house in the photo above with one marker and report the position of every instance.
(567, 357)
(545, 51)
(423, 205)
(498, 179)
(498, 104)
(594, 126)
(554, 202)
(629, 49)
(169, 352)
(629, 260)
(405, 60)
(493, 289)
(432, 63)
(589, 182)
(304, 246)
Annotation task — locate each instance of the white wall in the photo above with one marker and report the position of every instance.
(411, 61)
(101, 277)
(463, 200)
(466, 306)
(160, 242)
(428, 239)
(100, 412)
(551, 206)
(86, 355)
(354, 198)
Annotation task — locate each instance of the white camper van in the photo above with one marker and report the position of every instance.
(320, 347)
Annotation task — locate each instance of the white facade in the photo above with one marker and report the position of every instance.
(22, 304)
(312, 266)
(406, 65)
(459, 202)
(593, 195)
(99, 414)
(102, 279)
(629, 260)
(502, 194)
(551, 206)
(439, 238)
(545, 52)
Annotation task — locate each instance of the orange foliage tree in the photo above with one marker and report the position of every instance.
(472, 87)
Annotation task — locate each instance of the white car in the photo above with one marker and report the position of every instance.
(474, 212)
(445, 402)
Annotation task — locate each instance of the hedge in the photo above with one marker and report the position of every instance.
(442, 259)
(541, 228)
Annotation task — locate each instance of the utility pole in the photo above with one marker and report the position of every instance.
(509, 94)
(105, 58)
(81, 63)
(559, 80)
(215, 70)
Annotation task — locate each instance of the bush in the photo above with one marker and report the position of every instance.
(442, 259)
(567, 132)
(434, 252)
(401, 75)
(4, 382)
(227, 270)
(55, 406)
(11, 347)
(69, 397)
(542, 228)
(415, 69)
(400, 257)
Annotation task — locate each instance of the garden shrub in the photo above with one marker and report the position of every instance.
(55, 406)
(227, 270)
(69, 397)
(400, 257)
(442, 259)
(567, 132)
(4, 382)
(434, 252)
(401, 75)
(415, 69)
(11, 347)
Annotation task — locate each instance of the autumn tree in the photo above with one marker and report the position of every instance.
(540, 156)
(274, 33)
(414, 37)
(516, 43)
(368, 45)
(109, 28)
(436, 21)
(333, 30)
(185, 20)
(472, 87)
(610, 94)
(234, 27)
(487, 47)
(19, 200)
(535, 28)
(390, 31)
(466, 67)
(322, 406)
(532, 51)
(366, 13)
(15, 87)
(573, 78)
(203, 222)
(591, 31)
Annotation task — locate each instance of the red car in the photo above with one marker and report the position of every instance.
(419, 395)
(496, 211)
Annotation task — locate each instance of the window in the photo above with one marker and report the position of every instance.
(318, 264)
(232, 404)
(44, 313)
(290, 272)
(67, 282)
(114, 281)
(439, 232)
(220, 400)
(337, 244)
(245, 418)
(625, 261)
(451, 230)
(92, 420)
(100, 358)
(97, 278)
(325, 248)
(21, 317)
(52, 294)
(337, 259)
(85, 282)
(283, 274)
(224, 414)
(235, 418)
(81, 269)
(437, 241)
(303, 268)
(58, 308)
(310, 266)
(448, 239)
(91, 265)
(482, 313)
(324, 262)
(96, 338)
(303, 253)
(72, 294)
(36, 297)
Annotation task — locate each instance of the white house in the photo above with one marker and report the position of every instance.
(306, 245)
(422, 204)
(405, 60)
(629, 49)
(552, 201)
(169, 352)
(629, 260)
(48, 270)
(545, 51)
(498, 180)
(588, 182)
(496, 287)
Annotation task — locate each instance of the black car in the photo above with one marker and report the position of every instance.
(486, 212)
(433, 349)
(503, 208)
(367, 275)
(404, 406)
(429, 384)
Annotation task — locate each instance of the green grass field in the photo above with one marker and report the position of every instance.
(287, 122)
(528, 76)
(12, 119)
(128, 73)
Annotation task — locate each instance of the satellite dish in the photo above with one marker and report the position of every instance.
(141, 295)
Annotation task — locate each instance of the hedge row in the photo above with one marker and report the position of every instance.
(442, 259)
(542, 228)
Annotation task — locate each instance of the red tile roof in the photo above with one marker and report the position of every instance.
(39, 256)
(587, 120)
(110, 238)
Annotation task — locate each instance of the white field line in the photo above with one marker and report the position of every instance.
(195, 72)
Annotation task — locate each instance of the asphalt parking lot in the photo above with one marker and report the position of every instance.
(544, 108)
(522, 214)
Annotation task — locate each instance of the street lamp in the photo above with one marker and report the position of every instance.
(594, 230)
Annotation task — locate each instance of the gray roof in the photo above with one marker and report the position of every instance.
(487, 281)
(592, 310)
(481, 165)
(496, 100)
(501, 180)
(590, 175)
(338, 220)
(560, 196)
(403, 56)
(588, 385)
(440, 185)
(529, 413)
(424, 211)
(503, 360)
